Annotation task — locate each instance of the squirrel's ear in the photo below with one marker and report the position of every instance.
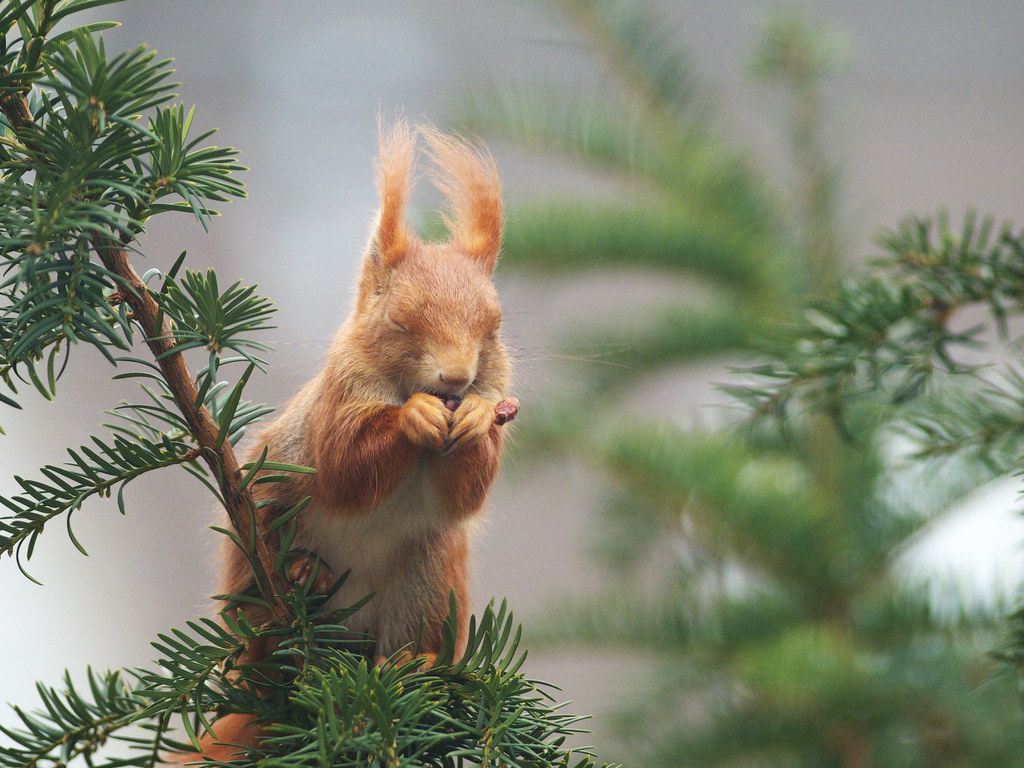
(392, 237)
(468, 177)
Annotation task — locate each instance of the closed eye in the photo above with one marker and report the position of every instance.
(397, 325)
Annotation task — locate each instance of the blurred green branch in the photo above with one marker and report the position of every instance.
(756, 569)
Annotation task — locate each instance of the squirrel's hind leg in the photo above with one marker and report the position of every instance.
(416, 603)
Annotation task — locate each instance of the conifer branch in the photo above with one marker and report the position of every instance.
(15, 107)
(217, 453)
(891, 329)
(94, 471)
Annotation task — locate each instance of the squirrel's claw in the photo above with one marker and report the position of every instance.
(307, 570)
(470, 422)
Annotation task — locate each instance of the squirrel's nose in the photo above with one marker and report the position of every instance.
(454, 379)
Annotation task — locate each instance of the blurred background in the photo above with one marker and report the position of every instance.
(676, 175)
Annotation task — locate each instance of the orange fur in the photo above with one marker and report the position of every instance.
(466, 476)
(360, 453)
(235, 735)
(394, 173)
(469, 178)
(400, 477)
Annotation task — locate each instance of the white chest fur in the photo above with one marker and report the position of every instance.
(367, 543)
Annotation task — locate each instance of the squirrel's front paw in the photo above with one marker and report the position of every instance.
(424, 421)
(307, 570)
(470, 422)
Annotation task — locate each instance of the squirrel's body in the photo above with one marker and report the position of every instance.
(401, 424)
(400, 478)
(379, 549)
(399, 525)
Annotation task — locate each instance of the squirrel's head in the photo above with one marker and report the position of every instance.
(427, 317)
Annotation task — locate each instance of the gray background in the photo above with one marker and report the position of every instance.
(927, 113)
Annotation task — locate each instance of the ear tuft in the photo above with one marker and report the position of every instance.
(396, 155)
(467, 175)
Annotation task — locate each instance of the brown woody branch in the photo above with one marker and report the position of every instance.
(15, 107)
(221, 458)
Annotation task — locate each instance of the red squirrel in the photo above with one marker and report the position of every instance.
(404, 424)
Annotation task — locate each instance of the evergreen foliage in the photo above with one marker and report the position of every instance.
(329, 705)
(779, 632)
(91, 148)
(899, 329)
(896, 342)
